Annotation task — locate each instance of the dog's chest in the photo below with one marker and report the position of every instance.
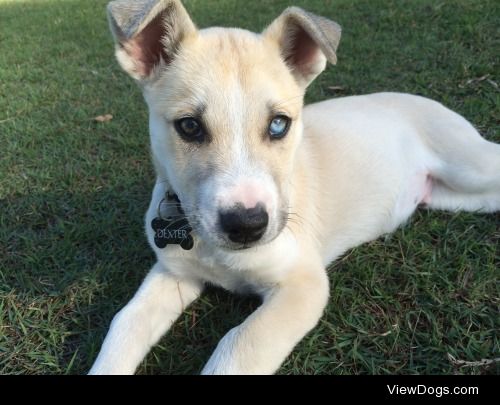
(210, 270)
(255, 270)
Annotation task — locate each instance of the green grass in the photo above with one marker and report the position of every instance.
(73, 194)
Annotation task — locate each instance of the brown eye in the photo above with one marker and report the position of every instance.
(279, 126)
(190, 129)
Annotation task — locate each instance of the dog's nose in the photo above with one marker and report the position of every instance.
(244, 225)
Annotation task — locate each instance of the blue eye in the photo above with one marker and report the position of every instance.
(279, 126)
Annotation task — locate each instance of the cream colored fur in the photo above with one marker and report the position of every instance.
(350, 170)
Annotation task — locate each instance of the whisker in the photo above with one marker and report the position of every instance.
(291, 231)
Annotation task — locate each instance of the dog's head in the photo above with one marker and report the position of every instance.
(225, 110)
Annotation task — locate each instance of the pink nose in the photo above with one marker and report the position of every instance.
(248, 194)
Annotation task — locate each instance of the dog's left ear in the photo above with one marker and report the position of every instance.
(306, 42)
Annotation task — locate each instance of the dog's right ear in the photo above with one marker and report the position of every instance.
(147, 33)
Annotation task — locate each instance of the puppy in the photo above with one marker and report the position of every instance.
(256, 193)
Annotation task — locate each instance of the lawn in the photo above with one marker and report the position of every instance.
(73, 193)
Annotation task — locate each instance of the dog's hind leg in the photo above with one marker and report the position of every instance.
(142, 322)
(467, 173)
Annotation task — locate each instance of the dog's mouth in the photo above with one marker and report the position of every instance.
(242, 246)
(229, 246)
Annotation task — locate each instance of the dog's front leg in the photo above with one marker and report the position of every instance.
(262, 342)
(142, 322)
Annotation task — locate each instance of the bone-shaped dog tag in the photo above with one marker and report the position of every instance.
(172, 231)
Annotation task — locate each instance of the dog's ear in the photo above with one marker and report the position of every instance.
(306, 42)
(147, 33)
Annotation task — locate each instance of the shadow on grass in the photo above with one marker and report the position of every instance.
(78, 259)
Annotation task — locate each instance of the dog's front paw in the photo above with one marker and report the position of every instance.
(225, 360)
(103, 370)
